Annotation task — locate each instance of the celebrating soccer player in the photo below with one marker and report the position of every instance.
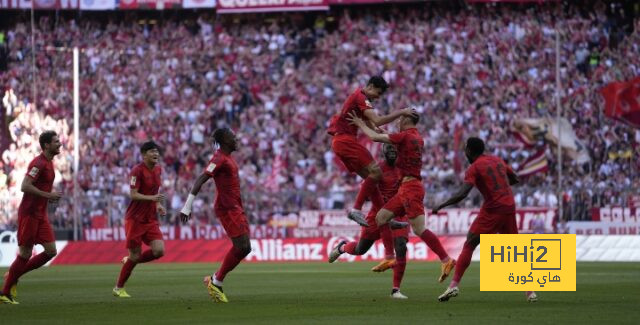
(493, 178)
(33, 222)
(141, 223)
(368, 235)
(228, 208)
(409, 199)
(355, 156)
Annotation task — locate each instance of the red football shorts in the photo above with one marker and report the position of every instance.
(34, 230)
(498, 220)
(234, 222)
(353, 155)
(408, 201)
(373, 232)
(138, 233)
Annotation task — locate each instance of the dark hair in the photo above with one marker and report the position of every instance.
(46, 137)
(378, 82)
(218, 135)
(149, 145)
(475, 146)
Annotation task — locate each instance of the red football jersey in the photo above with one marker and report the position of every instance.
(147, 182)
(224, 170)
(358, 103)
(41, 171)
(390, 181)
(410, 145)
(489, 174)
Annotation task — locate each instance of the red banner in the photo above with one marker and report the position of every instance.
(206, 232)
(240, 6)
(263, 250)
(616, 214)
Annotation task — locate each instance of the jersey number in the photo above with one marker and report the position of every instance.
(494, 176)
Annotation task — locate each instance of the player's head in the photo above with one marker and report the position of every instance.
(226, 139)
(390, 153)
(150, 152)
(407, 122)
(474, 148)
(50, 143)
(376, 86)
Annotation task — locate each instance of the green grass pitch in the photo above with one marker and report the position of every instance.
(312, 293)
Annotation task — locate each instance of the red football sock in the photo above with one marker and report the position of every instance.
(398, 271)
(387, 241)
(231, 260)
(125, 272)
(36, 262)
(146, 256)
(368, 188)
(463, 263)
(434, 244)
(15, 271)
(350, 248)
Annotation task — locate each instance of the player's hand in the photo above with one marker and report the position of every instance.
(354, 119)
(158, 197)
(162, 211)
(409, 112)
(184, 217)
(54, 196)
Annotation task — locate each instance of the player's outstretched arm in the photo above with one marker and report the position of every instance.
(28, 187)
(377, 120)
(459, 196)
(185, 213)
(372, 134)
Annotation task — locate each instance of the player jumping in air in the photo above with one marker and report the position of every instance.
(141, 223)
(355, 156)
(493, 178)
(228, 208)
(409, 199)
(33, 222)
(368, 235)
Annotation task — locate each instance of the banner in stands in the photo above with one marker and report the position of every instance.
(603, 228)
(198, 3)
(331, 223)
(97, 4)
(328, 223)
(149, 4)
(240, 6)
(616, 214)
(40, 4)
(206, 232)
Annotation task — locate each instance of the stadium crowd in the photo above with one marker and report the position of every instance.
(276, 80)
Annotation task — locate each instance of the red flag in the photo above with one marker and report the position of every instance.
(622, 102)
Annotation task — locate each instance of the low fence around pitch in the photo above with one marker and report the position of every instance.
(595, 248)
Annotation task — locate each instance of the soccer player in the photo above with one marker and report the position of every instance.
(355, 156)
(410, 196)
(493, 178)
(368, 235)
(141, 223)
(228, 208)
(33, 222)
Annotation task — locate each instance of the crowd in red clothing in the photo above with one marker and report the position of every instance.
(276, 80)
